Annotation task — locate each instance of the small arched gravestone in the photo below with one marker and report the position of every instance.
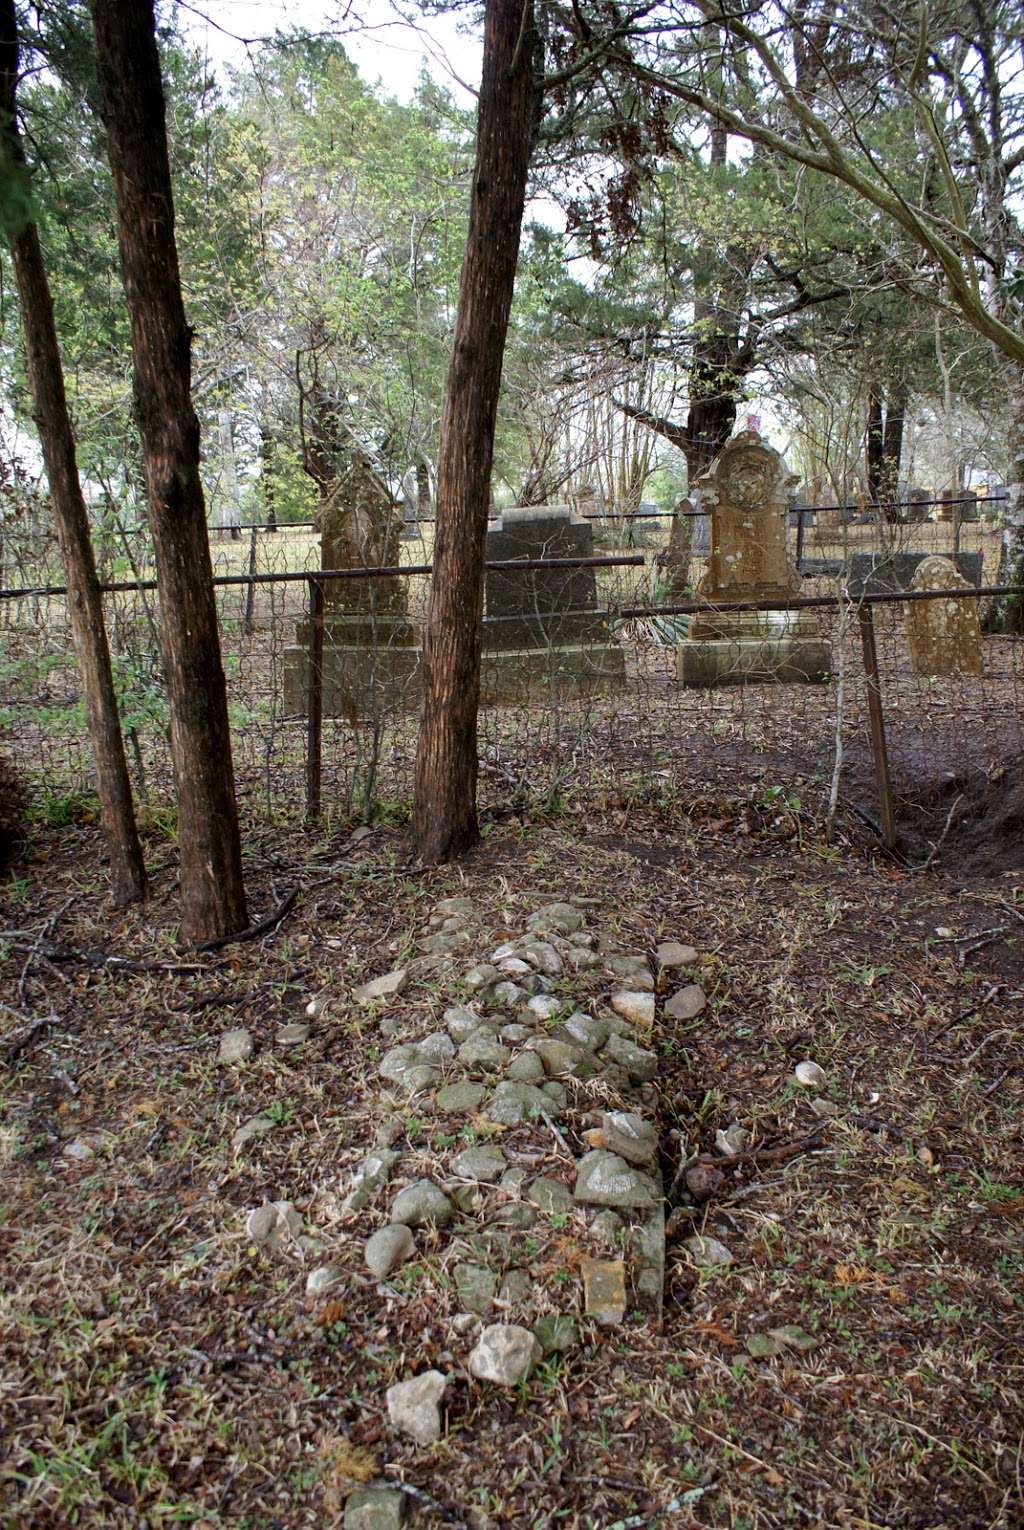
(944, 636)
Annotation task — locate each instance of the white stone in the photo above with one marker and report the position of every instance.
(672, 953)
(636, 1007)
(273, 1224)
(505, 1354)
(687, 1003)
(544, 1006)
(388, 1248)
(810, 1075)
(385, 987)
(414, 1406)
(236, 1046)
(320, 1280)
(707, 1252)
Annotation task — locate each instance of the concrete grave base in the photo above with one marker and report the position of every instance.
(361, 678)
(784, 660)
(542, 674)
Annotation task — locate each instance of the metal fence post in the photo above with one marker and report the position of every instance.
(315, 702)
(800, 514)
(878, 749)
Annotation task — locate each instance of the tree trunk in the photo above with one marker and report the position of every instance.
(892, 449)
(423, 489)
(1009, 615)
(132, 107)
(874, 441)
(444, 812)
(85, 602)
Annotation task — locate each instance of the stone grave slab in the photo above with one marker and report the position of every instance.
(543, 636)
(747, 490)
(944, 636)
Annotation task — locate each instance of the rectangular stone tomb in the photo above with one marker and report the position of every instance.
(747, 490)
(543, 636)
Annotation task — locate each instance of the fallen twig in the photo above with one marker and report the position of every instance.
(21, 1042)
(253, 931)
(937, 846)
(50, 952)
(726, 1161)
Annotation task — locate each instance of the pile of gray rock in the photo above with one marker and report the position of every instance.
(542, 1081)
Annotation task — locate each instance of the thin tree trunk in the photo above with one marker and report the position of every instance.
(132, 107)
(873, 445)
(892, 448)
(85, 602)
(444, 812)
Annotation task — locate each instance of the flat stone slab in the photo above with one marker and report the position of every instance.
(462, 1096)
(236, 1046)
(604, 1290)
(672, 953)
(483, 1050)
(687, 1004)
(637, 1061)
(631, 1136)
(485, 1163)
(375, 1508)
(605, 1179)
(512, 1103)
(385, 987)
(556, 919)
(420, 1204)
(414, 1406)
(475, 1286)
(550, 1195)
(636, 1006)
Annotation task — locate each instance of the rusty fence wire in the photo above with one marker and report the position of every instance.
(606, 720)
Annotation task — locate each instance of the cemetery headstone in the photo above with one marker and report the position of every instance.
(881, 572)
(543, 631)
(944, 636)
(918, 507)
(371, 658)
(675, 560)
(748, 490)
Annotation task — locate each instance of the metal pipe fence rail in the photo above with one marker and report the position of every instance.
(650, 739)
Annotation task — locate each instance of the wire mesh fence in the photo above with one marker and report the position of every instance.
(596, 712)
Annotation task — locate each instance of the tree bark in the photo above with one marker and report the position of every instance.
(444, 812)
(56, 437)
(874, 440)
(132, 108)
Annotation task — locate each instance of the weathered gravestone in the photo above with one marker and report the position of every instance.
(883, 573)
(747, 490)
(944, 636)
(918, 507)
(675, 560)
(542, 632)
(958, 505)
(370, 655)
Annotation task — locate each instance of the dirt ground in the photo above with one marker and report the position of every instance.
(155, 1369)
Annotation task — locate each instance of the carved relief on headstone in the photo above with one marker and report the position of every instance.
(748, 490)
(944, 636)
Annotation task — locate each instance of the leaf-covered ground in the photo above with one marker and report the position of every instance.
(157, 1370)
